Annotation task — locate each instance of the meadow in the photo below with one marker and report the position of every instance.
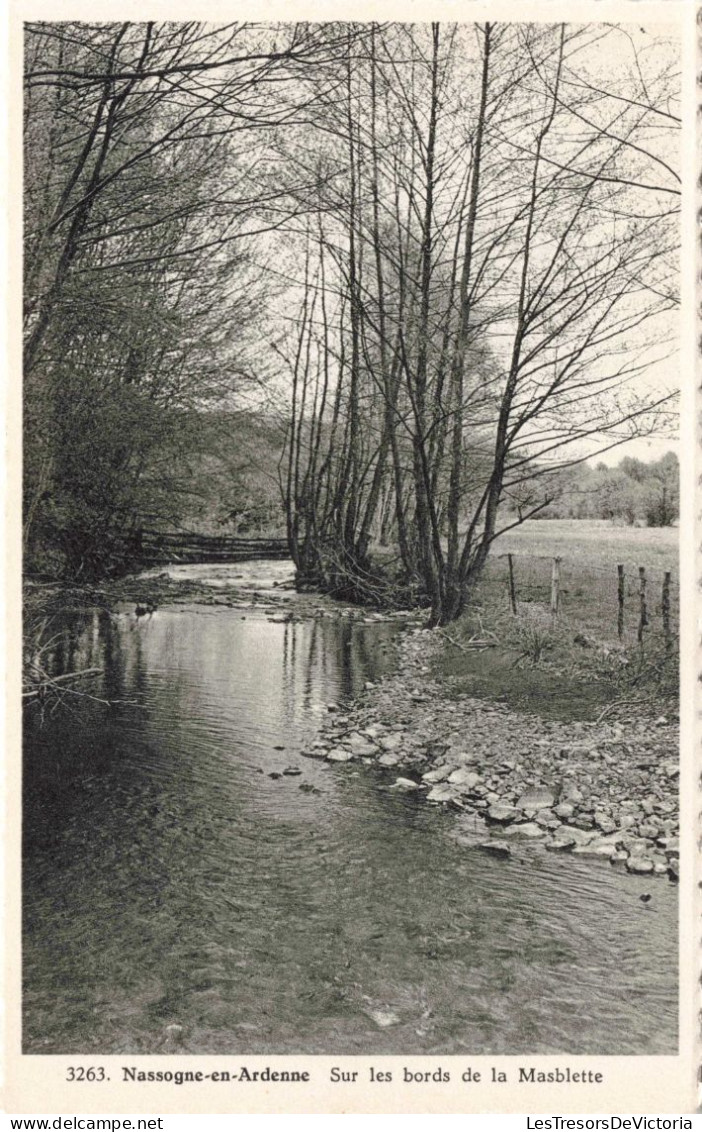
(598, 540)
(590, 551)
(575, 664)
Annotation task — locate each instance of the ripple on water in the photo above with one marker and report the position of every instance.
(171, 880)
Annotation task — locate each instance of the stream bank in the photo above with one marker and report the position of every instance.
(604, 791)
(516, 754)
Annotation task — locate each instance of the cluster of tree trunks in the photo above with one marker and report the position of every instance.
(488, 230)
(150, 182)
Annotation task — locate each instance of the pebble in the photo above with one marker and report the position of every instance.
(338, 755)
(539, 799)
(595, 849)
(495, 849)
(463, 777)
(438, 775)
(524, 829)
(640, 865)
(562, 843)
(442, 792)
(503, 814)
(361, 745)
(389, 759)
(404, 784)
(390, 742)
(619, 859)
(383, 1018)
(605, 822)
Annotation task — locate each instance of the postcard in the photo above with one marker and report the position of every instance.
(352, 698)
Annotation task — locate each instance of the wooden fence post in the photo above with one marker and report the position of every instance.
(665, 609)
(555, 583)
(620, 601)
(643, 612)
(512, 590)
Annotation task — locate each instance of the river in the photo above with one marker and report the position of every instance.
(183, 893)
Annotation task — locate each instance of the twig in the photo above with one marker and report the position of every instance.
(88, 696)
(49, 681)
(620, 703)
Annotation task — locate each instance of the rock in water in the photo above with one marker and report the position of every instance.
(595, 849)
(525, 829)
(561, 843)
(439, 775)
(541, 798)
(389, 759)
(495, 849)
(580, 836)
(389, 742)
(339, 755)
(441, 793)
(639, 865)
(404, 784)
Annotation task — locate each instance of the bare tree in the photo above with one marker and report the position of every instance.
(148, 181)
(509, 263)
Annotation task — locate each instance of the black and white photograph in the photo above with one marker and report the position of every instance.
(350, 538)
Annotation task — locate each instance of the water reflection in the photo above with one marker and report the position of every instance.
(175, 875)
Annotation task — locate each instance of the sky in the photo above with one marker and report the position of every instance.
(643, 448)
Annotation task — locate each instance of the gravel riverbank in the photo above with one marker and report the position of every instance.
(606, 791)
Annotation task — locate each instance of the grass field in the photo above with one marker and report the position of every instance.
(571, 665)
(597, 541)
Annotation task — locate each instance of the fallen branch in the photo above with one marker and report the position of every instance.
(50, 681)
(472, 645)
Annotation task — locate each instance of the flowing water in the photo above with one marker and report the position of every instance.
(184, 894)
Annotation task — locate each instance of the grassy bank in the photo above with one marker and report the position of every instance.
(550, 667)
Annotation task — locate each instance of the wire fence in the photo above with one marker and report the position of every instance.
(608, 603)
